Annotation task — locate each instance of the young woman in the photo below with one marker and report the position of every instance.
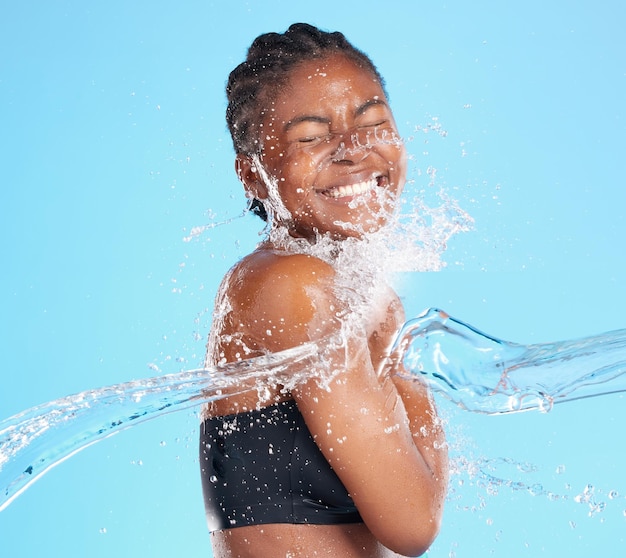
(351, 460)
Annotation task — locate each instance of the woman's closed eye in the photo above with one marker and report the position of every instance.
(373, 125)
(375, 115)
(308, 132)
(314, 139)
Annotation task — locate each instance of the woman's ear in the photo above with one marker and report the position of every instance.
(247, 172)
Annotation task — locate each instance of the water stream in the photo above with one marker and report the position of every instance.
(484, 374)
(478, 372)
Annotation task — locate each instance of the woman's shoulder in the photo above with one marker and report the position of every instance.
(276, 259)
(282, 293)
(272, 267)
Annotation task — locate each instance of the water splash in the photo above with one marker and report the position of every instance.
(485, 374)
(492, 475)
(199, 230)
(479, 372)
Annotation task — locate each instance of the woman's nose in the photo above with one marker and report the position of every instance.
(349, 148)
(339, 152)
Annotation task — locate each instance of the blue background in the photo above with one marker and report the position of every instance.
(113, 146)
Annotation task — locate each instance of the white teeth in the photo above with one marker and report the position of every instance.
(352, 189)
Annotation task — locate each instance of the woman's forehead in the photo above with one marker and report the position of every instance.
(336, 70)
(327, 84)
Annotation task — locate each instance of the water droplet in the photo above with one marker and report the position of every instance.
(213, 479)
(596, 508)
(103, 531)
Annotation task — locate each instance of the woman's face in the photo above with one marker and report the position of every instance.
(331, 145)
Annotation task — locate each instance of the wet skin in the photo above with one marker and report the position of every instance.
(379, 432)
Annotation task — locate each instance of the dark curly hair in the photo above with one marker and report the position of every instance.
(255, 83)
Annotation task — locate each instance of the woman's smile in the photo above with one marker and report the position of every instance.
(343, 191)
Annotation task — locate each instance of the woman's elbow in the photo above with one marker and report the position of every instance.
(415, 544)
(410, 538)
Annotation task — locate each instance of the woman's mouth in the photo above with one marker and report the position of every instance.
(351, 190)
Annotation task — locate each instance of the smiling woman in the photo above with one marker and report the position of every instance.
(350, 461)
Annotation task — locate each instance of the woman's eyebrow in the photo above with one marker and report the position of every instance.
(372, 102)
(305, 118)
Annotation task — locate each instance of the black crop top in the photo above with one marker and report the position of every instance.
(263, 467)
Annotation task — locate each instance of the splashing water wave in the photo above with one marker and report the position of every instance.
(488, 375)
(480, 373)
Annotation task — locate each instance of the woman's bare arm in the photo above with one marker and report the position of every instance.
(379, 434)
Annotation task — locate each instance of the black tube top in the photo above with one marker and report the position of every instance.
(263, 467)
